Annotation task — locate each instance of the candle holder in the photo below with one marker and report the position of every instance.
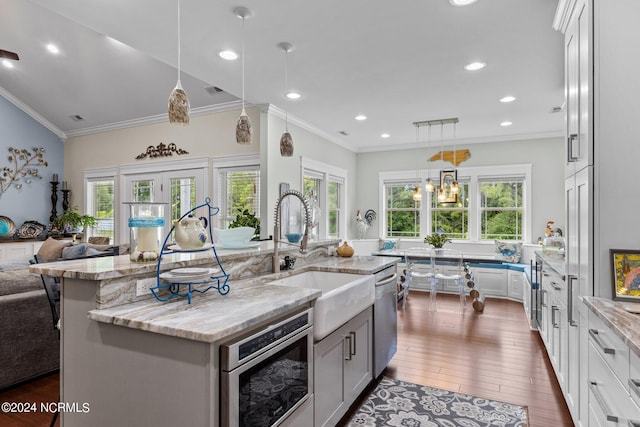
(54, 200)
(65, 199)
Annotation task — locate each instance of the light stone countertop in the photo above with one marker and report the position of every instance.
(556, 264)
(211, 316)
(624, 324)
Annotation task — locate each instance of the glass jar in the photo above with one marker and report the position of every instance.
(146, 230)
(554, 246)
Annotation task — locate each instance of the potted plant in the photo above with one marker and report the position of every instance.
(247, 219)
(72, 222)
(437, 240)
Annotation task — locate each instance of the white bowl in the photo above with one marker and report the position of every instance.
(235, 236)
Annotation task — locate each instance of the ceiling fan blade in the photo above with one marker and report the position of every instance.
(9, 55)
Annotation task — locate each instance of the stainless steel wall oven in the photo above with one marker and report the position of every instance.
(267, 374)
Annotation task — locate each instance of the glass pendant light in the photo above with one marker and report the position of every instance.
(428, 186)
(243, 127)
(454, 184)
(286, 141)
(417, 195)
(178, 101)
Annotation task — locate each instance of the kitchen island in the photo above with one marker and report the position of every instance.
(138, 361)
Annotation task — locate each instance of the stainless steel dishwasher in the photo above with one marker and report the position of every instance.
(385, 319)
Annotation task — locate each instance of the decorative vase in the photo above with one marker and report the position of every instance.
(345, 250)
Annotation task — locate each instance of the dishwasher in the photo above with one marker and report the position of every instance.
(385, 319)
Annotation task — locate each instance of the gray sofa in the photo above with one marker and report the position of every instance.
(29, 344)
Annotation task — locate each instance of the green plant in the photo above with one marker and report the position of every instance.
(72, 219)
(437, 240)
(246, 219)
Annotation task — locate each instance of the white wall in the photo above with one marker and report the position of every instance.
(545, 155)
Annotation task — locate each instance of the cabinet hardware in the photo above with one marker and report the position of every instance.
(593, 386)
(634, 385)
(554, 309)
(570, 319)
(542, 294)
(571, 140)
(352, 344)
(593, 333)
(348, 357)
(633, 423)
(557, 288)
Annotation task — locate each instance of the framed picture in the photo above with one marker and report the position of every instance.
(625, 272)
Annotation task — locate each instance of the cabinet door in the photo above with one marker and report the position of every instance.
(329, 355)
(516, 279)
(491, 281)
(545, 317)
(358, 370)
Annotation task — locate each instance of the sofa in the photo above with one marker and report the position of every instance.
(29, 343)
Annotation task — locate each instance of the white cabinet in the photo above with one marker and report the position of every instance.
(491, 281)
(515, 287)
(342, 368)
(19, 251)
(554, 326)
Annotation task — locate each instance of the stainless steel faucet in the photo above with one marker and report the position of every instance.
(276, 228)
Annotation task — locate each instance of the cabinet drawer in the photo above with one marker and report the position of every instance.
(610, 347)
(607, 395)
(554, 283)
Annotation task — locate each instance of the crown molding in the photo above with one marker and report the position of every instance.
(160, 118)
(33, 114)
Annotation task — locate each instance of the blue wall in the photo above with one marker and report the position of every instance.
(32, 201)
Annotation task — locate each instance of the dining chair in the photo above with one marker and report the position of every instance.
(419, 269)
(448, 271)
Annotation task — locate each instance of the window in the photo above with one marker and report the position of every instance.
(100, 202)
(493, 203)
(325, 186)
(238, 184)
(402, 212)
(501, 210)
(451, 218)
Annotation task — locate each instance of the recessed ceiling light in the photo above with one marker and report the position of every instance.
(475, 66)
(461, 2)
(505, 124)
(293, 95)
(52, 48)
(508, 98)
(7, 63)
(385, 135)
(361, 117)
(229, 55)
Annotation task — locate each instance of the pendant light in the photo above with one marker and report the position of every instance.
(286, 141)
(442, 196)
(178, 101)
(243, 127)
(454, 184)
(417, 195)
(428, 186)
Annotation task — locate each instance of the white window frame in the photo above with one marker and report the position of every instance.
(223, 164)
(326, 173)
(103, 174)
(472, 175)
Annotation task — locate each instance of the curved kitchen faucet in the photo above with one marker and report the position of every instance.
(276, 228)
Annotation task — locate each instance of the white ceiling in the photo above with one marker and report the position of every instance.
(396, 62)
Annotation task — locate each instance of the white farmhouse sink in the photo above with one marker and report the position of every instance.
(343, 296)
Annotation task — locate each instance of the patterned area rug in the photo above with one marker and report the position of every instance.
(401, 404)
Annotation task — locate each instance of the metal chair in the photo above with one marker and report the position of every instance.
(52, 288)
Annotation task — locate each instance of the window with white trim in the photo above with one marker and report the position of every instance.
(238, 185)
(100, 203)
(493, 203)
(325, 186)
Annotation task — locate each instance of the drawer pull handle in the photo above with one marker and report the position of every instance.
(593, 386)
(570, 319)
(593, 333)
(635, 386)
(633, 423)
(542, 294)
(557, 288)
(352, 343)
(554, 309)
(571, 140)
(348, 357)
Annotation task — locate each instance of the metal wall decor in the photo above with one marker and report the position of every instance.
(22, 167)
(453, 157)
(161, 150)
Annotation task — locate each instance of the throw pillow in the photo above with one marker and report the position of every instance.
(388, 244)
(52, 248)
(508, 251)
(74, 251)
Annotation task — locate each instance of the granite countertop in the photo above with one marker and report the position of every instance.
(556, 264)
(614, 314)
(211, 317)
(468, 257)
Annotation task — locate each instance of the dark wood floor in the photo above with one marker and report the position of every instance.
(492, 355)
